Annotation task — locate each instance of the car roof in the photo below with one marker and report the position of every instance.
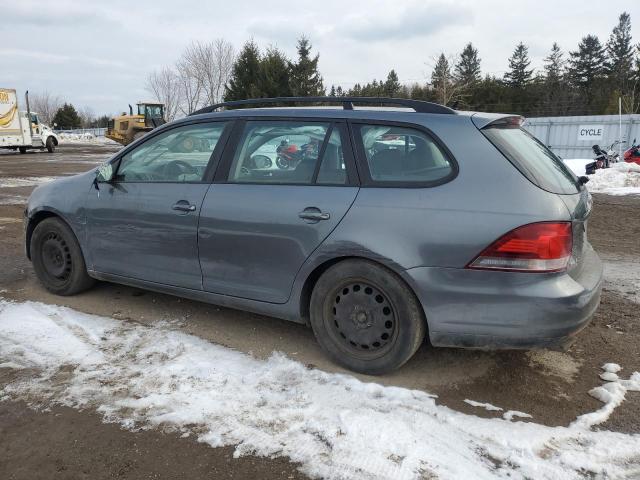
(397, 114)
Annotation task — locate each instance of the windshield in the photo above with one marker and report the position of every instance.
(536, 162)
(151, 110)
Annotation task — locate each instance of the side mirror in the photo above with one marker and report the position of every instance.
(104, 174)
(582, 180)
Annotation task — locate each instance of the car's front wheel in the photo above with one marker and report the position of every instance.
(365, 317)
(57, 258)
(51, 145)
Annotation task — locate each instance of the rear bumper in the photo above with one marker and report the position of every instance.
(493, 310)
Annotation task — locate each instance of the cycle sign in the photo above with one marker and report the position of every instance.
(590, 132)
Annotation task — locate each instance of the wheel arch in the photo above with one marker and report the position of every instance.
(314, 275)
(33, 222)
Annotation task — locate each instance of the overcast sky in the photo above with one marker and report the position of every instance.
(98, 53)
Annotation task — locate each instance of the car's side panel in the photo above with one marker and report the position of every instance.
(135, 232)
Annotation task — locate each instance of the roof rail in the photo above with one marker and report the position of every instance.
(347, 103)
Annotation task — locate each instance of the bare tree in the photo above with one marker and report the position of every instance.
(87, 116)
(189, 84)
(45, 104)
(211, 65)
(164, 85)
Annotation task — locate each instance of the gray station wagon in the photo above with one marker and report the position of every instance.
(376, 225)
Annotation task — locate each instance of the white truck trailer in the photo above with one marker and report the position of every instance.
(22, 130)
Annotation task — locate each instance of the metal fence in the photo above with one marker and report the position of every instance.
(573, 137)
(96, 132)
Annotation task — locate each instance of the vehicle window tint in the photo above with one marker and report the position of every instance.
(178, 155)
(398, 154)
(532, 158)
(332, 168)
(278, 152)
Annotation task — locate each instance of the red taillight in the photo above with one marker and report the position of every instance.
(537, 247)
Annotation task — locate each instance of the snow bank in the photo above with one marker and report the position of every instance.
(335, 426)
(577, 165)
(620, 179)
(84, 138)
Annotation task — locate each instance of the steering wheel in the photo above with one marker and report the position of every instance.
(178, 167)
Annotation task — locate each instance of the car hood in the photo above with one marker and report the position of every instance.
(65, 196)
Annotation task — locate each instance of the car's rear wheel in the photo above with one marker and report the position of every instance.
(22, 149)
(366, 317)
(57, 258)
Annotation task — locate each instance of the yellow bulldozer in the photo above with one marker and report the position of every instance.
(125, 128)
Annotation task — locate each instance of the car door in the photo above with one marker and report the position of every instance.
(262, 218)
(143, 223)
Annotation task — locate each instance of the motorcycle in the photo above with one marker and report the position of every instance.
(632, 155)
(603, 159)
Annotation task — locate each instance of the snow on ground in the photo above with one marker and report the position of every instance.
(24, 181)
(334, 425)
(12, 199)
(577, 165)
(620, 179)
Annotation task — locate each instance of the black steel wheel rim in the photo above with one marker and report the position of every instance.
(56, 257)
(361, 319)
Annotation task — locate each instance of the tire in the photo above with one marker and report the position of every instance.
(51, 145)
(57, 258)
(365, 317)
(22, 150)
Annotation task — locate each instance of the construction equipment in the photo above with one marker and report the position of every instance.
(125, 128)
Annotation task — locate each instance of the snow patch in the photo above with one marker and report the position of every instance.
(486, 406)
(9, 182)
(611, 367)
(612, 394)
(509, 415)
(333, 425)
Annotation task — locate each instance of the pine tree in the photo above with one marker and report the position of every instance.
(620, 53)
(273, 80)
(339, 91)
(305, 77)
(332, 92)
(67, 117)
(587, 64)
(554, 65)
(467, 70)
(245, 73)
(554, 95)
(519, 76)
(392, 85)
(442, 80)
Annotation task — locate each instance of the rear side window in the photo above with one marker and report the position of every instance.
(289, 152)
(400, 155)
(532, 158)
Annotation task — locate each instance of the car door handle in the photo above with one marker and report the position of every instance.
(313, 215)
(184, 207)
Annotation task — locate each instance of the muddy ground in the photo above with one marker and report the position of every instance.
(63, 443)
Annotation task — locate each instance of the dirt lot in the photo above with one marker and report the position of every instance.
(64, 443)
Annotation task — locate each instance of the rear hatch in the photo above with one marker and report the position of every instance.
(545, 170)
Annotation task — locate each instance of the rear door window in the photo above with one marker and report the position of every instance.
(401, 155)
(289, 152)
(534, 160)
